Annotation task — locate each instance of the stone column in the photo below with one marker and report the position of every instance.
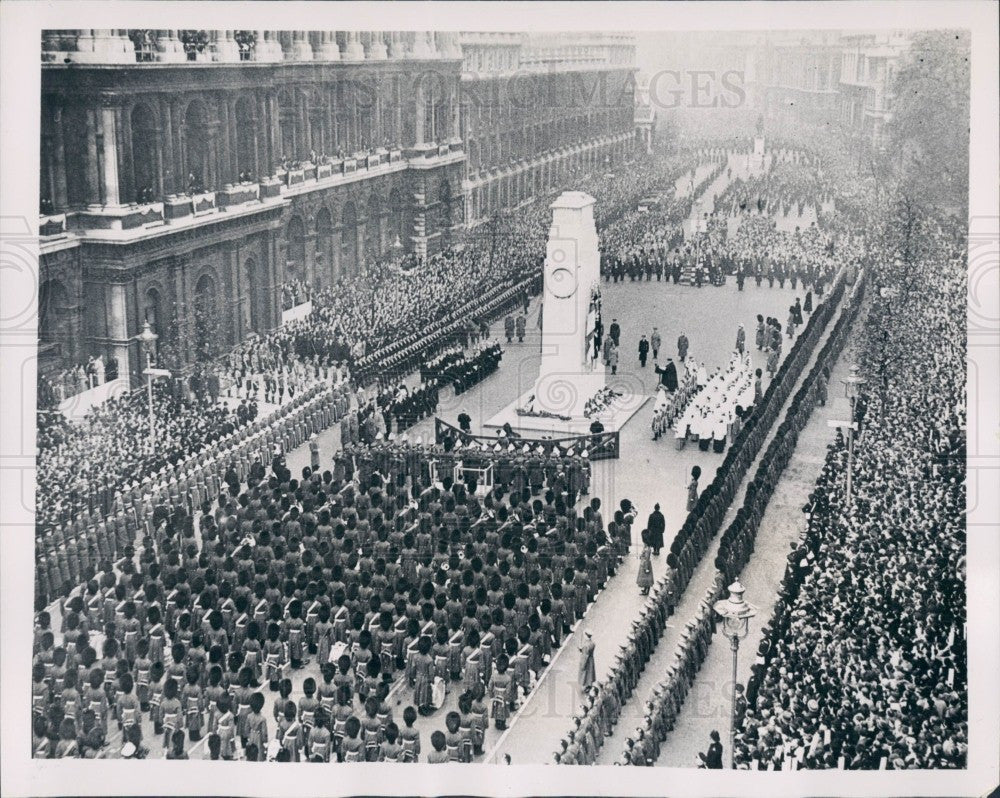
(59, 195)
(230, 158)
(419, 117)
(304, 126)
(418, 235)
(103, 46)
(169, 48)
(129, 192)
(447, 45)
(160, 188)
(354, 51)
(230, 300)
(274, 281)
(212, 182)
(105, 152)
(454, 100)
(378, 134)
(395, 45)
(263, 48)
(181, 320)
(274, 131)
(166, 150)
(301, 48)
(397, 113)
(423, 45)
(224, 48)
(118, 326)
(376, 47)
(328, 49)
(335, 245)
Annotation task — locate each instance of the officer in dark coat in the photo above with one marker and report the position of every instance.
(508, 328)
(520, 324)
(615, 331)
(713, 757)
(668, 375)
(657, 525)
(643, 351)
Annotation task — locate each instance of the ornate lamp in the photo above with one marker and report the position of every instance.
(735, 613)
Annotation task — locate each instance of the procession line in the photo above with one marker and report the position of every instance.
(510, 726)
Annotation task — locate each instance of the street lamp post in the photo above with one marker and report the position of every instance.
(852, 388)
(146, 340)
(735, 613)
(397, 251)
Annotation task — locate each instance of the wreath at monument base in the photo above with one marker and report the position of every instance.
(529, 410)
(600, 402)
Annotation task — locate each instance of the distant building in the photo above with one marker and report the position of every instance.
(802, 75)
(869, 64)
(540, 108)
(645, 116)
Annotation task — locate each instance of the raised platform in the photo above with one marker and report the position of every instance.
(613, 418)
(77, 406)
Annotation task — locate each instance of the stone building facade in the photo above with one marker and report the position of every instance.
(187, 176)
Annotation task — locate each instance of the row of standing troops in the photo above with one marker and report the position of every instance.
(69, 555)
(686, 551)
(660, 713)
(408, 352)
(735, 549)
(514, 469)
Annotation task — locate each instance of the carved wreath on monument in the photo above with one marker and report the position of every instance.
(562, 280)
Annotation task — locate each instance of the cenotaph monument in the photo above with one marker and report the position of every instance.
(756, 161)
(570, 391)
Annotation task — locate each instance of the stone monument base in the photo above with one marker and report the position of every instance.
(614, 417)
(757, 157)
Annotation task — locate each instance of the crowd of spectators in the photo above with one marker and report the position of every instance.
(365, 319)
(82, 464)
(863, 663)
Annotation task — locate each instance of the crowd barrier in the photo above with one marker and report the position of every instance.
(600, 446)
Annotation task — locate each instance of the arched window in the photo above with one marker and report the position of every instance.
(145, 141)
(325, 264)
(207, 326)
(373, 230)
(196, 150)
(349, 240)
(246, 139)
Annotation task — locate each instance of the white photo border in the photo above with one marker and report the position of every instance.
(20, 75)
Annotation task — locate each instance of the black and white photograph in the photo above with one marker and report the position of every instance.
(574, 388)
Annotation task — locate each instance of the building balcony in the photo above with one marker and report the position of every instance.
(292, 177)
(127, 222)
(52, 225)
(238, 194)
(133, 216)
(180, 206)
